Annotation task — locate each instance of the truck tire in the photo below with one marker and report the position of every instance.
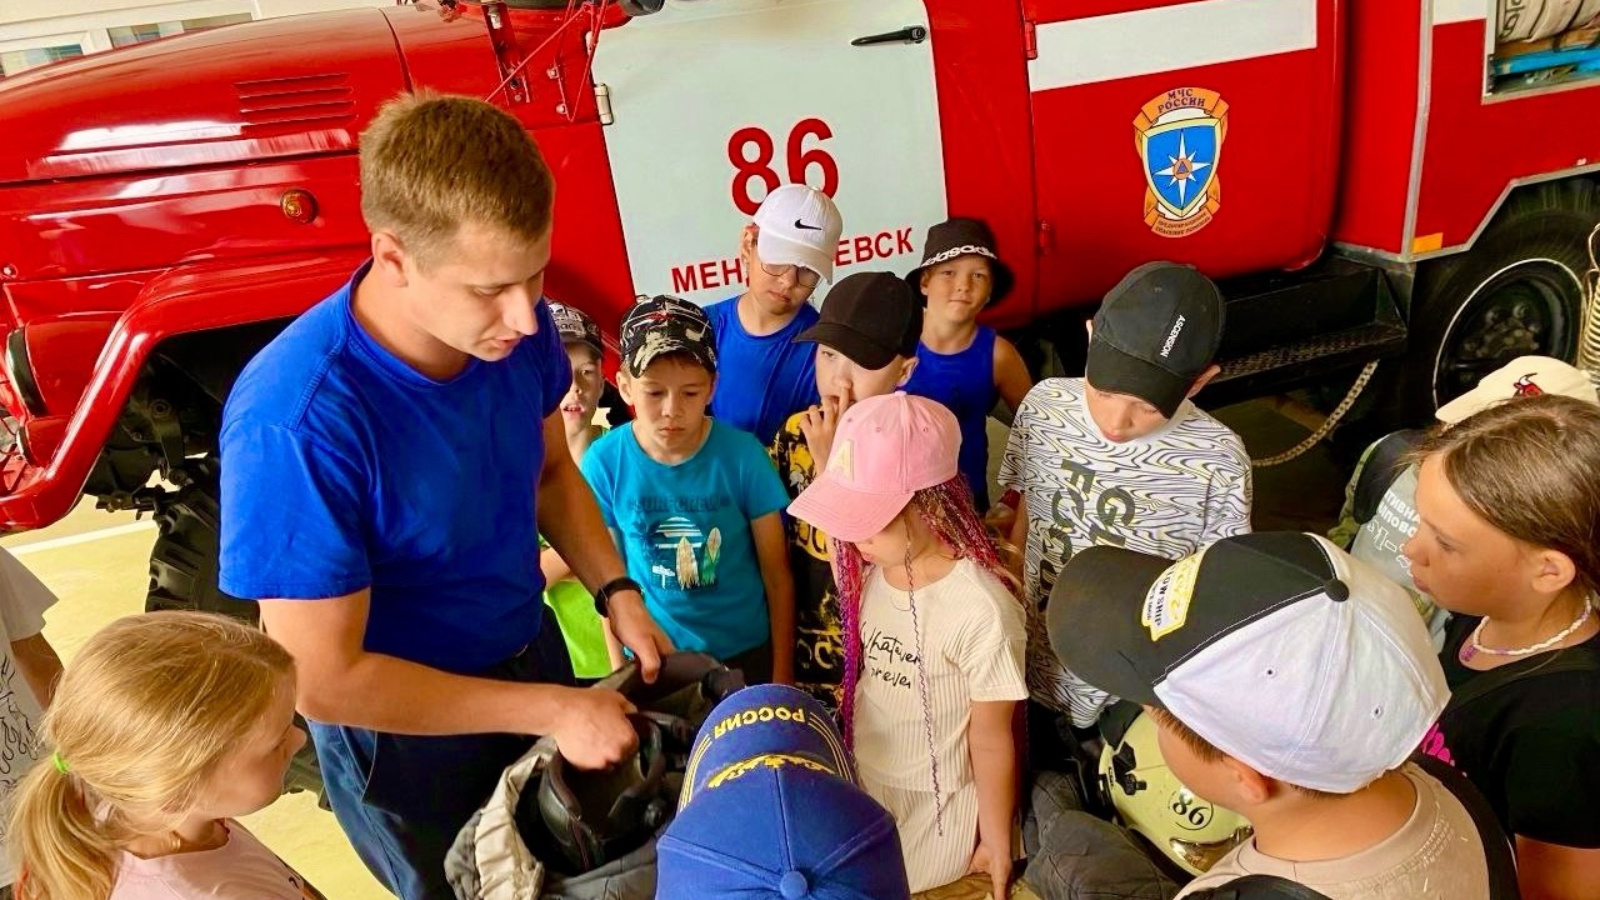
(183, 576)
(1517, 292)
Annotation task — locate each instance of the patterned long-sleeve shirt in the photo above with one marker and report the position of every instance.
(1169, 493)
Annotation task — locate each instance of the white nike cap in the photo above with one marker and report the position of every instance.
(799, 226)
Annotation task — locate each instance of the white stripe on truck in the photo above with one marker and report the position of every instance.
(1169, 38)
(1447, 11)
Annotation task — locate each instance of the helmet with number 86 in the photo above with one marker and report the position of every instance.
(1150, 801)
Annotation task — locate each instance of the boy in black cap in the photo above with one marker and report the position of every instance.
(1121, 457)
(866, 346)
(693, 502)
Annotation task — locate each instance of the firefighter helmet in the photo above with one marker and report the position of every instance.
(1192, 832)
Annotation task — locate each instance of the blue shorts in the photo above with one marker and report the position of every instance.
(401, 799)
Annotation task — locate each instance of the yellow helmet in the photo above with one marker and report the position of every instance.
(1148, 799)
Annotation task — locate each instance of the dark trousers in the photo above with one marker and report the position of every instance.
(401, 799)
(755, 663)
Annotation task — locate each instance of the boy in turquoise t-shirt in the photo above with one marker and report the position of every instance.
(572, 604)
(694, 503)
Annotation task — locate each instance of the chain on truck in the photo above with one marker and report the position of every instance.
(1405, 184)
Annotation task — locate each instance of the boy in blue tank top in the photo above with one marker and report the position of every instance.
(786, 250)
(962, 364)
(693, 502)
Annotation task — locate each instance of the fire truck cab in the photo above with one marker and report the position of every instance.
(1409, 181)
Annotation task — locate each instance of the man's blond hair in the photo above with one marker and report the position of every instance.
(431, 163)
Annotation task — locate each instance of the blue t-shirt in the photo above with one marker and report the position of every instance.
(964, 383)
(685, 532)
(764, 380)
(344, 468)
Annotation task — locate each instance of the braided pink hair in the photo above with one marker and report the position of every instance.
(948, 513)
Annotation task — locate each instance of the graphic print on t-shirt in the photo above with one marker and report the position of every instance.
(1167, 494)
(17, 753)
(20, 748)
(1115, 509)
(1380, 539)
(1433, 744)
(890, 661)
(819, 635)
(682, 556)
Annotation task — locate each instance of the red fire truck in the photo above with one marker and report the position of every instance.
(1410, 180)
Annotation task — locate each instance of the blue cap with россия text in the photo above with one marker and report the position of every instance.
(771, 809)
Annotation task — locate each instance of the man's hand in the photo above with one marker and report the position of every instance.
(636, 630)
(593, 731)
(821, 423)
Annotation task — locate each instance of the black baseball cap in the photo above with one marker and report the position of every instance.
(871, 317)
(576, 327)
(1156, 332)
(659, 325)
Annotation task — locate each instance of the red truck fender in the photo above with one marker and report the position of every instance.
(194, 298)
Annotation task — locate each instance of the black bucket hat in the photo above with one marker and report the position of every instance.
(963, 237)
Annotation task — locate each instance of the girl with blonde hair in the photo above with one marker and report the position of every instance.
(164, 729)
(1509, 541)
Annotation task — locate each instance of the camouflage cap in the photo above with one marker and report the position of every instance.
(656, 326)
(575, 326)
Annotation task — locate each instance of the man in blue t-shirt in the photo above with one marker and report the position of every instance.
(786, 250)
(381, 461)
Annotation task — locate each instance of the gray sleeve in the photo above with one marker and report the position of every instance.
(23, 599)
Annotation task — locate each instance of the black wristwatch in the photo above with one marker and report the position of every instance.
(602, 597)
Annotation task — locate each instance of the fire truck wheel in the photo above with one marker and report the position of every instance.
(183, 576)
(1518, 292)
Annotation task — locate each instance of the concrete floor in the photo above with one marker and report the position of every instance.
(96, 563)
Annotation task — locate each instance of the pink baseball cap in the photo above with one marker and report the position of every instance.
(887, 448)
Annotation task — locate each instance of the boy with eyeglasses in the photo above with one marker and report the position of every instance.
(786, 250)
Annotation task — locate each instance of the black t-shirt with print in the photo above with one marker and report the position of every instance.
(819, 650)
(1532, 747)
